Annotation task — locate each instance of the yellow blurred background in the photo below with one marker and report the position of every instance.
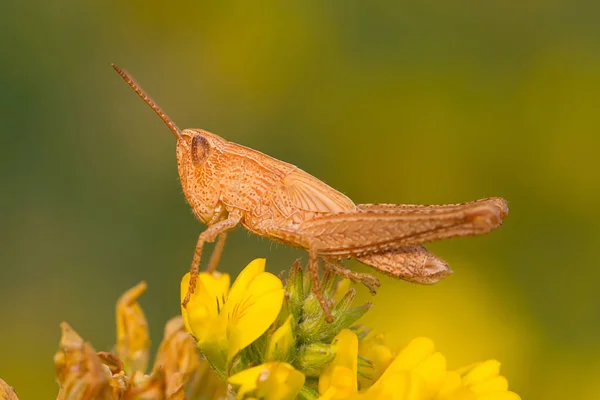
(404, 102)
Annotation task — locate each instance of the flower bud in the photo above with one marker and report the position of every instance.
(313, 320)
(314, 357)
(294, 289)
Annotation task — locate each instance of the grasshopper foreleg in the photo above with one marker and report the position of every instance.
(209, 235)
(217, 251)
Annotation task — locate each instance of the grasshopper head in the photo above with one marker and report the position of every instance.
(194, 150)
(198, 164)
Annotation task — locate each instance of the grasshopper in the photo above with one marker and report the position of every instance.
(228, 184)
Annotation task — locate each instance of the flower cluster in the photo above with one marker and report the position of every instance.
(262, 338)
(270, 339)
(178, 372)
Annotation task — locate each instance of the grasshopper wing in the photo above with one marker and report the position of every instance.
(429, 209)
(301, 191)
(368, 231)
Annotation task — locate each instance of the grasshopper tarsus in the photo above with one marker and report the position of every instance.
(368, 280)
(227, 184)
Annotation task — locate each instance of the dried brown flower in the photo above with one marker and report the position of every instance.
(178, 371)
(7, 392)
(133, 341)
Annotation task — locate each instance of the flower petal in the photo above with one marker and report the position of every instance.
(452, 382)
(238, 289)
(374, 349)
(500, 396)
(495, 384)
(202, 310)
(431, 372)
(415, 353)
(479, 381)
(216, 284)
(338, 379)
(79, 371)
(183, 289)
(249, 379)
(397, 388)
(254, 312)
(281, 342)
(272, 380)
(133, 339)
(179, 360)
(481, 371)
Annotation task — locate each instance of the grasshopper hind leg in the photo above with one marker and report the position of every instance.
(313, 270)
(410, 263)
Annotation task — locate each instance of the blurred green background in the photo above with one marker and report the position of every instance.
(406, 102)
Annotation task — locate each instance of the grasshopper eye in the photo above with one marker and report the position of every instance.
(200, 149)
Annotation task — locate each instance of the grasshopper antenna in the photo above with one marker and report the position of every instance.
(138, 89)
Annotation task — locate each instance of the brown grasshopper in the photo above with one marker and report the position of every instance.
(228, 185)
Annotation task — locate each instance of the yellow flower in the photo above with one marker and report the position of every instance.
(273, 381)
(225, 321)
(416, 373)
(379, 356)
(338, 379)
(133, 341)
(480, 381)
